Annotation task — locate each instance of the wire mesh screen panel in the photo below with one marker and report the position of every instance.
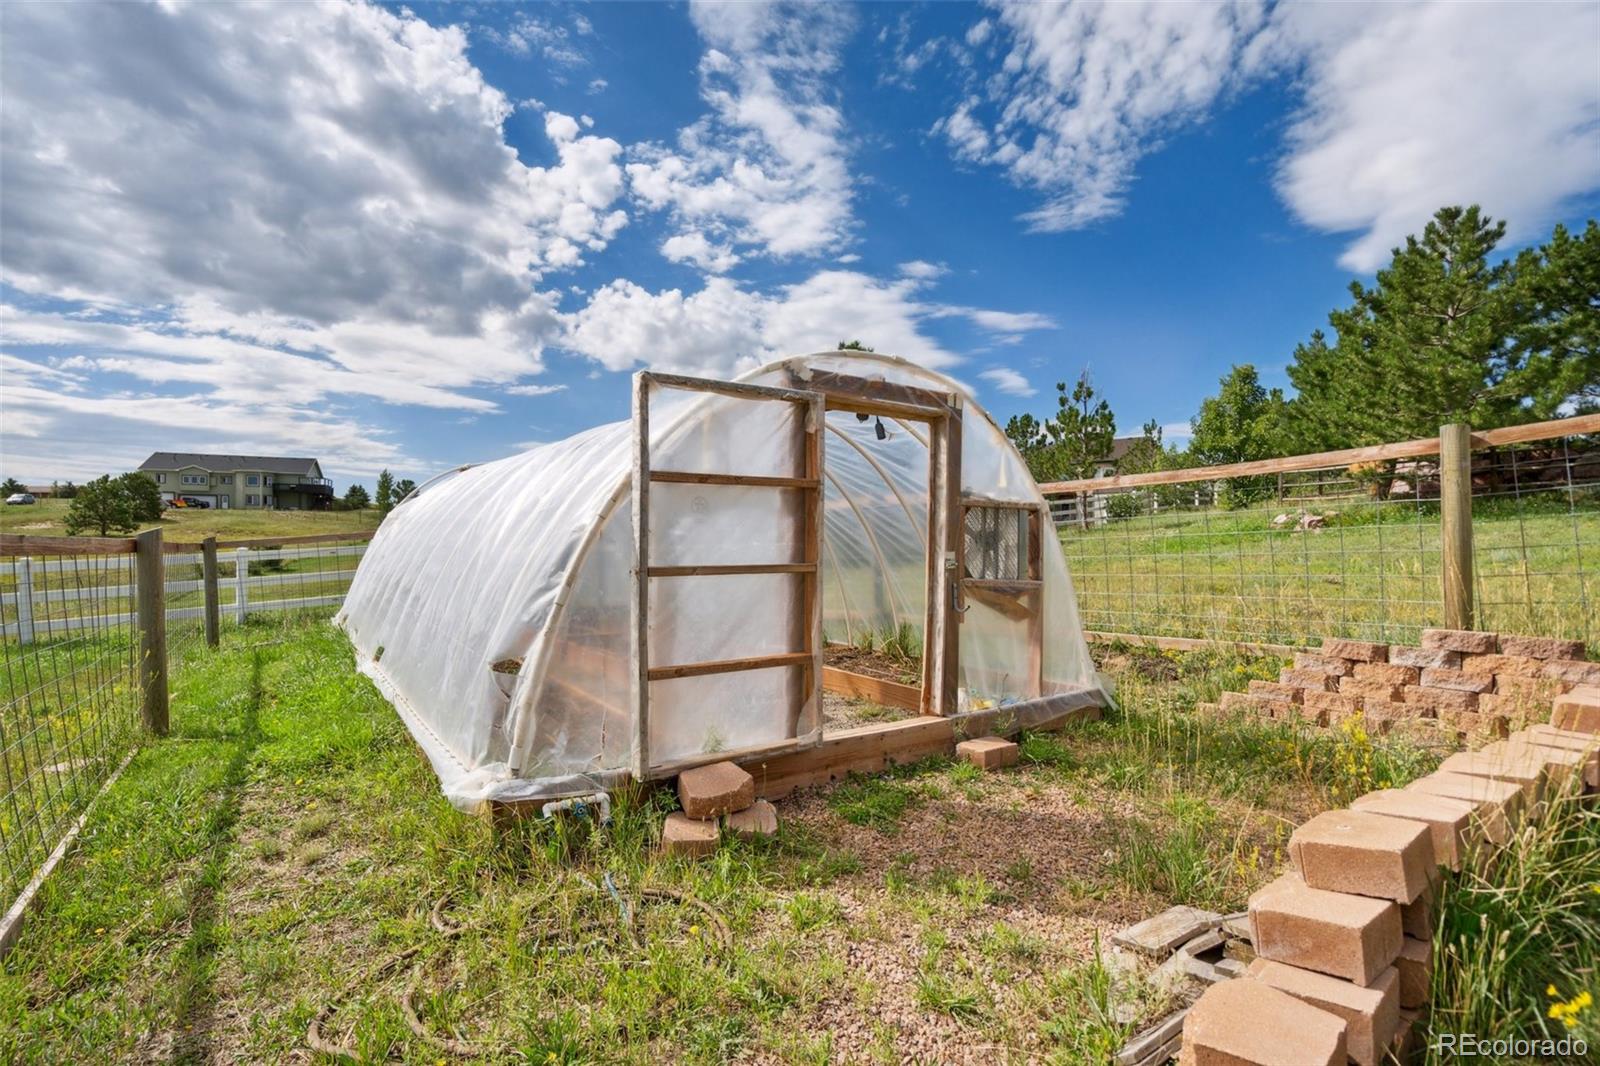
(1346, 549)
(1536, 537)
(71, 697)
(996, 543)
(267, 584)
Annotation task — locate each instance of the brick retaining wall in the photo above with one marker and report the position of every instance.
(1344, 941)
(1458, 683)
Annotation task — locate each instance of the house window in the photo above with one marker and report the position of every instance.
(226, 479)
(161, 479)
(251, 479)
(252, 500)
(194, 479)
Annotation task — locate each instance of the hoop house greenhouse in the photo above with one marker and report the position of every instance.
(659, 593)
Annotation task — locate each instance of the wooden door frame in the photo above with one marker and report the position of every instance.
(941, 413)
(1030, 588)
(808, 623)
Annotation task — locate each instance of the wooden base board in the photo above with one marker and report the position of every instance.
(877, 689)
(872, 748)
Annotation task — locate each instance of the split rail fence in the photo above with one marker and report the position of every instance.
(1497, 529)
(90, 629)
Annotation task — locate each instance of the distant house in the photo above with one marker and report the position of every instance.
(250, 481)
(1111, 464)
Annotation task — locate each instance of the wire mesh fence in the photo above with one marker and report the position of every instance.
(1343, 548)
(75, 635)
(71, 700)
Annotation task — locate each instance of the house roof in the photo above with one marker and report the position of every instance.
(1121, 446)
(270, 464)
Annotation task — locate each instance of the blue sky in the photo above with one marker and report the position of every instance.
(418, 236)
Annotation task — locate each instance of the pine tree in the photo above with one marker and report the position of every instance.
(11, 486)
(385, 494)
(1428, 344)
(403, 488)
(356, 498)
(1557, 333)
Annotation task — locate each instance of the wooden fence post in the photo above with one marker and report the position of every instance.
(208, 567)
(151, 599)
(1455, 524)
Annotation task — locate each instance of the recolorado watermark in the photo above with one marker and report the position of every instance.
(1471, 1045)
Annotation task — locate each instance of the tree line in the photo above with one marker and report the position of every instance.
(1446, 333)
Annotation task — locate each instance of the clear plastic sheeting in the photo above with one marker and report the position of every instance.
(493, 607)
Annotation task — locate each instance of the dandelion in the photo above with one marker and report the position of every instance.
(694, 930)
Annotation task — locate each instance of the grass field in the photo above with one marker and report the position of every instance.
(46, 518)
(285, 856)
(1372, 572)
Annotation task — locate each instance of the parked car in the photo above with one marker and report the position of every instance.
(21, 498)
(191, 501)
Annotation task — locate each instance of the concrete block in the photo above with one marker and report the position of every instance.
(1572, 671)
(1158, 937)
(689, 837)
(1484, 665)
(1467, 640)
(1353, 937)
(1537, 688)
(1424, 658)
(1366, 688)
(1272, 690)
(1563, 768)
(1523, 770)
(1499, 804)
(1330, 665)
(1315, 680)
(1231, 968)
(1457, 680)
(1584, 743)
(1364, 854)
(720, 788)
(1371, 1014)
(1471, 723)
(1381, 715)
(1237, 1023)
(1542, 647)
(1450, 822)
(758, 820)
(1436, 700)
(1144, 1047)
(1388, 673)
(1330, 708)
(1415, 966)
(1416, 917)
(1239, 703)
(988, 753)
(1577, 711)
(1361, 651)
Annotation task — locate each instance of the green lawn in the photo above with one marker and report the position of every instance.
(1372, 573)
(279, 856)
(46, 518)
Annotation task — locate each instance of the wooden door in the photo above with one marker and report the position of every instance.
(1002, 568)
(686, 484)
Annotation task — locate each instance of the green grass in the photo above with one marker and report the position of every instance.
(266, 861)
(1519, 934)
(47, 518)
(1372, 573)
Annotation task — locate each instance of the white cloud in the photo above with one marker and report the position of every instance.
(270, 206)
(723, 329)
(764, 172)
(534, 390)
(1500, 107)
(1406, 107)
(598, 85)
(1008, 381)
(692, 247)
(1085, 88)
(1177, 431)
(923, 270)
(526, 35)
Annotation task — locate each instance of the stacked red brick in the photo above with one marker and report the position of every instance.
(715, 798)
(1344, 942)
(1462, 682)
